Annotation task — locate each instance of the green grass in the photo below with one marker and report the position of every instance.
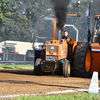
(17, 66)
(84, 96)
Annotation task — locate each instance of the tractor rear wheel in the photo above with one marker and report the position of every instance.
(37, 69)
(66, 68)
(82, 60)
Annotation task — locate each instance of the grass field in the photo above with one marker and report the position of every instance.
(78, 96)
(17, 66)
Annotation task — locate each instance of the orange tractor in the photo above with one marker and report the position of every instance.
(96, 45)
(71, 58)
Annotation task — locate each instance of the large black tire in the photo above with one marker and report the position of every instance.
(42, 54)
(66, 68)
(37, 69)
(82, 60)
(37, 54)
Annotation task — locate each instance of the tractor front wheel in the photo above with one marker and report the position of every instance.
(66, 68)
(37, 69)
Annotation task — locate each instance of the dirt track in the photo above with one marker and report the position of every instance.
(24, 82)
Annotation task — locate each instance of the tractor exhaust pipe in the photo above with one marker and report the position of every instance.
(59, 36)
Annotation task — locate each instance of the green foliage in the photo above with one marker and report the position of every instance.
(5, 10)
(19, 19)
(17, 66)
(81, 22)
(64, 97)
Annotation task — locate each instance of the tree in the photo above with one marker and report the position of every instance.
(5, 10)
(19, 19)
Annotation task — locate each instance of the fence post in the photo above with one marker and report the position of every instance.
(4, 56)
(24, 58)
(14, 57)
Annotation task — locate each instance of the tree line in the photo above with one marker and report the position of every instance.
(22, 19)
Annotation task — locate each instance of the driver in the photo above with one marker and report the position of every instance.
(68, 38)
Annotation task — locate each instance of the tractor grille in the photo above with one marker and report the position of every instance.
(52, 48)
(52, 57)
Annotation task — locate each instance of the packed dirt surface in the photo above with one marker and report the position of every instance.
(14, 81)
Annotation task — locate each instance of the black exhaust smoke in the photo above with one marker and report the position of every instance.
(61, 9)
